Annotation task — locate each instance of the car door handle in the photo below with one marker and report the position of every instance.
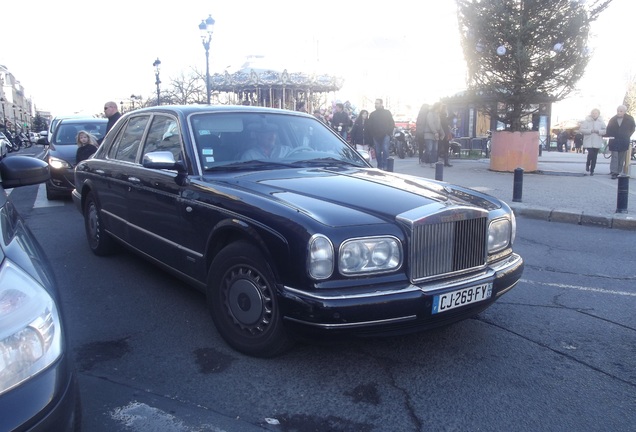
(134, 180)
(100, 172)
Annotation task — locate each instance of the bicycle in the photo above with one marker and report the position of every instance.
(605, 150)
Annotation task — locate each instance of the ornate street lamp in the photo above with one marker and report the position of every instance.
(4, 116)
(15, 123)
(207, 28)
(156, 64)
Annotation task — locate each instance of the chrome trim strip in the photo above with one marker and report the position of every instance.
(301, 293)
(148, 233)
(513, 261)
(356, 324)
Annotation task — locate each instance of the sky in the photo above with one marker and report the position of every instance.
(74, 55)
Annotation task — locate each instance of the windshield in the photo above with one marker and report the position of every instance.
(66, 133)
(227, 140)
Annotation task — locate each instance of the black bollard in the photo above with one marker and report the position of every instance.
(439, 171)
(389, 164)
(622, 194)
(517, 187)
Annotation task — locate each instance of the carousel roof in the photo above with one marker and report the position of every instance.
(254, 75)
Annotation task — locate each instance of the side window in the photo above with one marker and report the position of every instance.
(163, 136)
(129, 139)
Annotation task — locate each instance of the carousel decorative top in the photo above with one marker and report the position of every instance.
(248, 78)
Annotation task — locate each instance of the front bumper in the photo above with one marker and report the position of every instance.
(49, 401)
(61, 181)
(393, 309)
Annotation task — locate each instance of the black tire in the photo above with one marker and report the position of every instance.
(100, 242)
(242, 299)
(401, 152)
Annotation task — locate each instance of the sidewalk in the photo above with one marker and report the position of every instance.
(560, 191)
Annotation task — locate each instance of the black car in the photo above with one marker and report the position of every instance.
(38, 385)
(288, 230)
(60, 153)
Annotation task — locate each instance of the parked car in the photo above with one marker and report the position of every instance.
(38, 385)
(288, 230)
(57, 119)
(5, 144)
(61, 150)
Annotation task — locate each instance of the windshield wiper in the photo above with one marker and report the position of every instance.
(249, 164)
(327, 161)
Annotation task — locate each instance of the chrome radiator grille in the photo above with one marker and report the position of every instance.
(447, 247)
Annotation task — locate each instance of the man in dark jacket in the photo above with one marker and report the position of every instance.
(620, 129)
(112, 114)
(340, 121)
(380, 128)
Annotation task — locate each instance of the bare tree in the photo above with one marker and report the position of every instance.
(630, 96)
(186, 89)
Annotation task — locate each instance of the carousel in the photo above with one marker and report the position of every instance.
(255, 85)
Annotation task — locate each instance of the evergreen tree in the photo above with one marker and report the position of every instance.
(521, 53)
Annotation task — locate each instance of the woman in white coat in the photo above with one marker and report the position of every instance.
(593, 129)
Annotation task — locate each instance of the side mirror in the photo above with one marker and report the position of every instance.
(23, 171)
(162, 160)
(165, 160)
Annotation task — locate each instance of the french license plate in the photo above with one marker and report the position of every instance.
(451, 300)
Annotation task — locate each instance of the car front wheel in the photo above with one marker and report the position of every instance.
(242, 299)
(100, 242)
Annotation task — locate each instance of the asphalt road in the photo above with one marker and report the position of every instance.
(556, 353)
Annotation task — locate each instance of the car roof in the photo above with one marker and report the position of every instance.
(193, 109)
(89, 120)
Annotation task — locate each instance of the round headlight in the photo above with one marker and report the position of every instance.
(320, 258)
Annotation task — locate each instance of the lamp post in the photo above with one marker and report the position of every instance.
(207, 28)
(15, 126)
(156, 64)
(4, 116)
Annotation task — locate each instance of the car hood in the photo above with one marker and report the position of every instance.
(339, 197)
(67, 152)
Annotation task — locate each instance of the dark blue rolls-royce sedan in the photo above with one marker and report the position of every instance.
(288, 230)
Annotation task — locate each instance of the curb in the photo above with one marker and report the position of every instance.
(618, 221)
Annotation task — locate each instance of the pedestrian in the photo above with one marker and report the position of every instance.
(620, 129)
(578, 141)
(379, 129)
(432, 133)
(444, 142)
(112, 114)
(419, 130)
(340, 121)
(562, 140)
(86, 146)
(318, 115)
(592, 129)
(358, 138)
(570, 141)
(300, 106)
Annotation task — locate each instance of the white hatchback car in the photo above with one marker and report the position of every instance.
(4, 145)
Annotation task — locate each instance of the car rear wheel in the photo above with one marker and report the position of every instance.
(242, 299)
(98, 239)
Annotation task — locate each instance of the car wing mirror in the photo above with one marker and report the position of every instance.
(22, 171)
(163, 160)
